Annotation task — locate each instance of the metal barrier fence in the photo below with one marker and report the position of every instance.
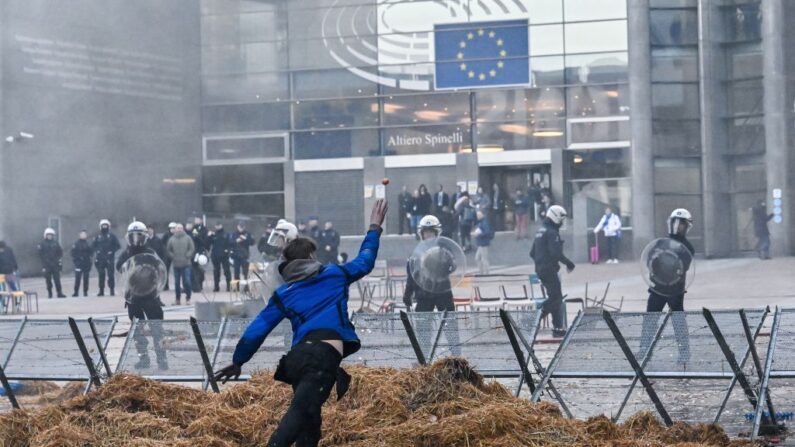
(640, 360)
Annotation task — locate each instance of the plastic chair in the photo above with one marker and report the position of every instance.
(485, 302)
(517, 301)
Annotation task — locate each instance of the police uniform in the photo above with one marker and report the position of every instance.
(105, 247)
(547, 253)
(50, 253)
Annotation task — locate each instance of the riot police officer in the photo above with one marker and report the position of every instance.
(219, 255)
(105, 246)
(143, 306)
(81, 259)
(50, 253)
(240, 242)
(547, 253)
(428, 228)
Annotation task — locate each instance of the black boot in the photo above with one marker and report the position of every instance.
(49, 293)
(101, 292)
(228, 287)
(112, 292)
(143, 362)
(216, 288)
(74, 294)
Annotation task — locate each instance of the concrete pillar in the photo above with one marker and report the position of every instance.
(374, 172)
(640, 124)
(778, 152)
(466, 167)
(289, 191)
(557, 176)
(717, 218)
(3, 144)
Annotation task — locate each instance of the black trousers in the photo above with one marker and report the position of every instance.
(241, 264)
(82, 274)
(403, 223)
(105, 269)
(147, 309)
(168, 270)
(552, 305)
(465, 232)
(218, 265)
(425, 329)
(311, 368)
(657, 303)
(53, 277)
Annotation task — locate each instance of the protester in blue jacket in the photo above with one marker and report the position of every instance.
(315, 300)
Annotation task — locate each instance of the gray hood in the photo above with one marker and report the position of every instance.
(299, 269)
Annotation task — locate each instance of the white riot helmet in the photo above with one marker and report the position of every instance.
(557, 214)
(104, 222)
(284, 233)
(49, 232)
(137, 234)
(678, 216)
(429, 222)
(200, 259)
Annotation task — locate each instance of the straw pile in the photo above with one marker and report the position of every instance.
(442, 405)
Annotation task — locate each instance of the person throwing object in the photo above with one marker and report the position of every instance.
(315, 299)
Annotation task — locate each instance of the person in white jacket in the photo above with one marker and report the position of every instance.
(611, 226)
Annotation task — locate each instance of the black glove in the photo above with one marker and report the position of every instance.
(570, 267)
(407, 302)
(231, 371)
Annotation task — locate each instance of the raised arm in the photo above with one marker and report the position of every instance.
(256, 332)
(368, 252)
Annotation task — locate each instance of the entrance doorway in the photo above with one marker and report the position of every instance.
(502, 182)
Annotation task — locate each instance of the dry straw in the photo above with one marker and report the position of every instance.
(446, 404)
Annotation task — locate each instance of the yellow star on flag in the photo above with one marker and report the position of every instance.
(482, 76)
(463, 67)
(471, 74)
(503, 53)
(499, 42)
(480, 32)
(460, 55)
(470, 36)
(500, 64)
(462, 44)
(493, 73)
(492, 34)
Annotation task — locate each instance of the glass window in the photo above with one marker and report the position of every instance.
(681, 176)
(671, 27)
(746, 97)
(247, 178)
(602, 131)
(744, 22)
(245, 87)
(601, 163)
(580, 10)
(234, 6)
(675, 101)
(747, 135)
(749, 175)
(324, 84)
(545, 11)
(246, 117)
(243, 28)
(596, 68)
(428, 108)
(244, 148)
(673, 3)
(536, 134)
(616, 193)
(676, 137)
(335, 144)
(547, 70)
(745, 64)
(597, 100)
(247, 58)
(426, 139)
(546, 40)
(520, 105)
(596, 36)
(338, 113)
(674, 65)
(255, 204)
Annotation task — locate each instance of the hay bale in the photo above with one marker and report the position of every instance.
(36, 388)
(446, 404)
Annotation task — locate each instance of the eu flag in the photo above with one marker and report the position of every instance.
(479, 54)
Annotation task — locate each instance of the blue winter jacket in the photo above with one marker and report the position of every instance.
(316, 303)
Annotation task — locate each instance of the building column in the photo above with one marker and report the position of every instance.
(777, 145)
(640, 124)
(715, 186)
(289, 191)
(4, 147)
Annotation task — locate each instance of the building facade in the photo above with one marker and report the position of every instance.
(645, 106)
(99, 117)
